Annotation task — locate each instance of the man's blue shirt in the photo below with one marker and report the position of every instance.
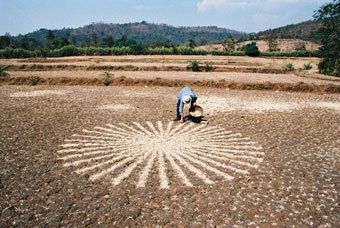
(187, 91)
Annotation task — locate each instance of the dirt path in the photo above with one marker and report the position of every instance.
(112, 157)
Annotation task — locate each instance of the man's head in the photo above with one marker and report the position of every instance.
(187, 99)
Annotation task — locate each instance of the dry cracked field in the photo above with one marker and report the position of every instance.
(95, 156)
(112, 157)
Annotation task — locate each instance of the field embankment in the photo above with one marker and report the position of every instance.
(233, 72)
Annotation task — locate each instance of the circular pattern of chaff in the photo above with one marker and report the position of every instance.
(190, 150)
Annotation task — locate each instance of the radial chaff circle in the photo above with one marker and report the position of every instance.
(191, 151)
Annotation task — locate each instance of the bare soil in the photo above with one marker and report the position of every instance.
(87, 155)
(296, 182)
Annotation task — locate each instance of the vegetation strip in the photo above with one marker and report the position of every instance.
(41, 67)
(124, 81)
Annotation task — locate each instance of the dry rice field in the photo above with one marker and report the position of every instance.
(96, 156)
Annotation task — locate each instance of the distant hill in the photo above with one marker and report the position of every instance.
(156, 35)
(142, 32)
(304, 31)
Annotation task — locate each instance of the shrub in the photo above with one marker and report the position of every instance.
(107, 76)
(330, 66)
(159, 51)
(33, 79)
(194, 66)
(2, 71)
(69, 50)
(137, 49)
(307, 66)
(208, 67)
(233, 53)
(251, 49)
(289, 66)
(106, 82)
(189, 51)
(291, 53)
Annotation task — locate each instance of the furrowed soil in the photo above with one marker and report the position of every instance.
(95, 156)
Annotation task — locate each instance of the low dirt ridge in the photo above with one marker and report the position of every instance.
(124, 81)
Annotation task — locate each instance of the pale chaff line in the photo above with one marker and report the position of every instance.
(230, 153)
(152, 127)
(161, 168)
(213, 136)
(133, 129)
(189, 131)
(104, 133)
(193, 169)
(231, 159)
(108, 146)
(176, 128)
(169, 127)
(239, 139)
(213, 130)
(237, 143)
(122, 155)
(183, 129)
(142, 128)
(85, 141)
(228, 146)
(227, 140)
(112, 168)
(144, 175)
(221, 136)
(125, 132)
(78, 162)
(160, 128)
(206, 166)
(216, 163)
(68, 145)
(91, 136)
(129, 169)
(67, 157)
(84, 149)
(123, 147)
(178, 170)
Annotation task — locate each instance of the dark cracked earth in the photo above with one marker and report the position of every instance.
(112, 157)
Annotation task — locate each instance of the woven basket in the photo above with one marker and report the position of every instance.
(196, 111)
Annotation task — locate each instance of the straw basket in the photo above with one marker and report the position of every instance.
(196, 111)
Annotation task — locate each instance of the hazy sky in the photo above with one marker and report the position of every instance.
(24, 16)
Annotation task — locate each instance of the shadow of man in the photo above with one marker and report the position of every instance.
(195, 119)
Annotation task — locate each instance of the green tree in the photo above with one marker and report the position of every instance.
(5, 41)
(60, 42)
(50, 35)
(329, 33)
(251, 49)
(192, 43)
(94, 40)
(108, 41)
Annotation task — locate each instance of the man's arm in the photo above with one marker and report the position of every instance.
(181, 106)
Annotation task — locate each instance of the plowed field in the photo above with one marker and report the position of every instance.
(95, 156)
